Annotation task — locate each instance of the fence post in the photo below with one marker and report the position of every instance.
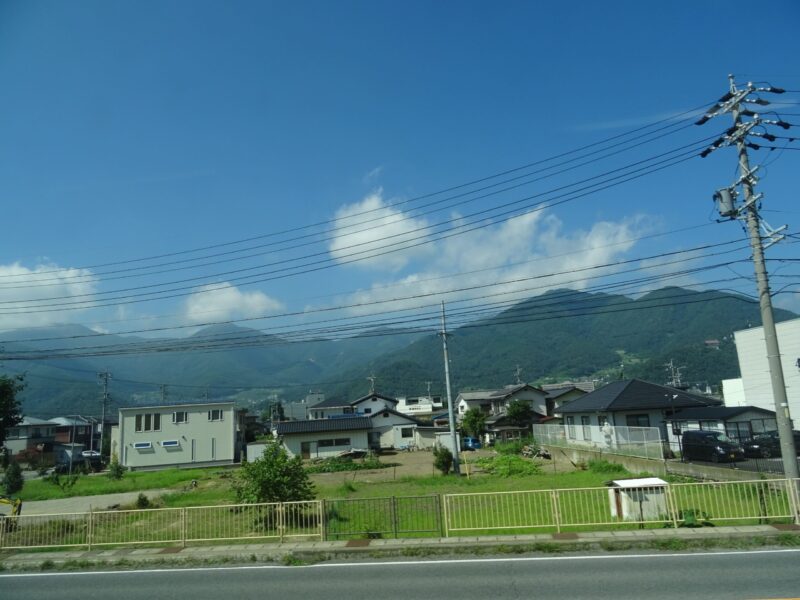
(91, 526)
(791, 492)
(439, 517)
(183, 527)
(671, 506)
(281, 519)
(445, 516)
(323, 521)
(556, 515)
(394, 516)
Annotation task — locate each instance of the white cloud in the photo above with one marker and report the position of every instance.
(530, 247)
(226, 301)
(372, 175)
(370, 227)
(25, 294)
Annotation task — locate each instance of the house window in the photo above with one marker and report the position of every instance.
(407, 432)
(180, 416)
(386, 415)
(637, 420)
(347, 410)
(367, 411)
(335, 442)
(602, 420)
(148, 422)
(215, 414)
(341, 442)
(708, 425)
(587, 432)
(169, 444)
(739, 431)
(571, 427)
(143, 445)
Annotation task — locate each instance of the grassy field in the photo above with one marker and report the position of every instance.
(92, 485)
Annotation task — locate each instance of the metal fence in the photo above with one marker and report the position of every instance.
(668, 505)
(644, 442)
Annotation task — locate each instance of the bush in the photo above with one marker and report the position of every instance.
(274, 477)
(507, 465)
(442, 459)
(115, 470)
(13, 481)
(515, 446)
(603, 466)
(338, 464)
(142, 501)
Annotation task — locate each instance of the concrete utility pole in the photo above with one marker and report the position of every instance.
(726, 199)
(103, 377)
(451, 415)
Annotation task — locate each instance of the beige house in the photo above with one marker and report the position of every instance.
(196, 434)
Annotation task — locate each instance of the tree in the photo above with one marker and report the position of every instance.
(13, 481)
(474, 422)
(10, 413)
(519, 413)
(274, 477)
(442, 459)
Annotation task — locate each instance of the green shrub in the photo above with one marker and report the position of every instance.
(516, 446)
(13, 481)
(115, 470)
(508, 465)
(142, 501)
(604, 466)
(442, 459)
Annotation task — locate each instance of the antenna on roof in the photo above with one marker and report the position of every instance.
(371, 380)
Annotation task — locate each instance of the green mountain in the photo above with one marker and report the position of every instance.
(562, 334)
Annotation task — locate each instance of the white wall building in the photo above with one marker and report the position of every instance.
(752, 351)
(175, 435)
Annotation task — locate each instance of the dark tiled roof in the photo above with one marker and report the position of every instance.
(635, 394)
(496, 394)
(558, 392)
(322, 425)
(720, 413)
(331, 403)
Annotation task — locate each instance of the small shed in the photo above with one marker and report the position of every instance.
(641, 499)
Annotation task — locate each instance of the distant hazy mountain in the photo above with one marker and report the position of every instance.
(560, 334)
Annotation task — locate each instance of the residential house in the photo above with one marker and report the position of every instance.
(31, 434)
(557, 396)
(324, 438)
(197, 434)
(494, 403)
(370, 422)
(740, 423)
(422, 407)
(632, 403)
(364, 406)
(754, 388)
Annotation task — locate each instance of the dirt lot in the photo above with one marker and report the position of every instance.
(420, 464)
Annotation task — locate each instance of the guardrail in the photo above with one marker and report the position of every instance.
(670, 505)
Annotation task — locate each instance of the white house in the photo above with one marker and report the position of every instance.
(756, 385)
(740, 423)
(420, 407)
(364, 406)
(196, 434)
(323, 438)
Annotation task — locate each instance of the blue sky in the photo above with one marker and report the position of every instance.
(136, 129)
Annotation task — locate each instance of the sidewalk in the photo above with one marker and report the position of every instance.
(81, 504)
(265, 552)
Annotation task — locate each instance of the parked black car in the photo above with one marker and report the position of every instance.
(710, 445)
(766, 445)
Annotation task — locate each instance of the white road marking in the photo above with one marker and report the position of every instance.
(450, 561)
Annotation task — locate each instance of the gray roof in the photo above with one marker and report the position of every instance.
(324, 425)
(497, 394)
(399, 414)
(716, 413)
(635, 394)
(34, 421)
(556, 393)
(339, 403)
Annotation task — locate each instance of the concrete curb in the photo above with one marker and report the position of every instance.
(266, 552)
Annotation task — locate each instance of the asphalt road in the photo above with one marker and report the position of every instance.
(710, 576)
